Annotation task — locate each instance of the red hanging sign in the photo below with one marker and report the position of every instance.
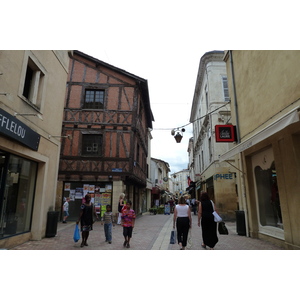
(225, 133)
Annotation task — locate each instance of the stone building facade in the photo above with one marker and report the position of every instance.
(32, 92)
(264, 87)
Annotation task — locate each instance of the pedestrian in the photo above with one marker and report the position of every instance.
(87, 211)
(108, 220)
(209, 226)
(128, 220)
(194, 206)
(121, 205)
(183, 220)
(66, 210)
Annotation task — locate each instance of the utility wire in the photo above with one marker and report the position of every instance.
(228, 102)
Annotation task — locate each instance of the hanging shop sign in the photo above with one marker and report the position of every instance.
(225, 133)
(11, 127)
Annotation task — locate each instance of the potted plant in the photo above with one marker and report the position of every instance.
(153, 210)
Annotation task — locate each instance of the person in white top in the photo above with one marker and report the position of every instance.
(121, 205)
(183, 220)
(66, 210)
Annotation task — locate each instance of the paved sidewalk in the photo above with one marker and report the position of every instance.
(151, 232)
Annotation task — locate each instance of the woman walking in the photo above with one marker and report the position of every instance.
(121, 205)
(128, 220)
(87, 210)
(209, 226)
(183, 220)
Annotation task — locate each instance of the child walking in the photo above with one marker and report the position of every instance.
(128, 220)
(108, 223)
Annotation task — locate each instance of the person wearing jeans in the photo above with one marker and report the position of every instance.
(108, 223)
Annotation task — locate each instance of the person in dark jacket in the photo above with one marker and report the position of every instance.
(87, 210)
(209, 226)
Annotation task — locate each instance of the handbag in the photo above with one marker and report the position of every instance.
(76, 236)
(173, 237)
(217, 218)
(222, 228)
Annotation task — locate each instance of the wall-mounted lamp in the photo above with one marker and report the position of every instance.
(69, 136)
(29, 114)
(3, 94)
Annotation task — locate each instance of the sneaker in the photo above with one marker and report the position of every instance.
(128, 246)
(109, 242)
(124, 244)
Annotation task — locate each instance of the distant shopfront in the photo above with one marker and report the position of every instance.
(17, 177)
(17, 182)
(101, 195)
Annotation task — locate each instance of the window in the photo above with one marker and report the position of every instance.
(34, 81)
(267, 193)
(225, 88)
(94, 99)
(92, 144)
(206, 96)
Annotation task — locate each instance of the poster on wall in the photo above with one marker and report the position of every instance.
(108, 188)
(72, 195)
(97, 200)
(105, 198)
(78, 193)
(85, 189)
(91, 189)
(67, 186)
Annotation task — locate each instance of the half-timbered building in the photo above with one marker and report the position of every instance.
(106, 128)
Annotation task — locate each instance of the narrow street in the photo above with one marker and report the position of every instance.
(151, 232)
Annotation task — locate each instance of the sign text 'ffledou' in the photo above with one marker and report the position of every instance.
(17, 130)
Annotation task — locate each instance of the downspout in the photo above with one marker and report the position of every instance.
(234, 100)
(240, 158)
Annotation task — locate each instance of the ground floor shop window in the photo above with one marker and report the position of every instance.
(101, 195)
(17, 186)
(267, 190)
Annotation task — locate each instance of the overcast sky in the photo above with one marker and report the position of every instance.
(161, 41)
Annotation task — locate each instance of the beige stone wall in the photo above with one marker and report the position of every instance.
(267, 82)
(50, 104)
(225, 193)
(267, 87)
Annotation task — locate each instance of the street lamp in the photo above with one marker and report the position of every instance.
(179, 135)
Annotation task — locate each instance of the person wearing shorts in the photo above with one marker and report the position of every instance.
(127, 221)
(66, 210)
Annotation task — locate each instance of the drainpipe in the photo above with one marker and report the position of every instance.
(238, 137)
(234, 100)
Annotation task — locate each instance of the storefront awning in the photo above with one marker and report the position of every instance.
(287, 119)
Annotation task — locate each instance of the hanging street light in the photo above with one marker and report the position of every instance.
(178, 137)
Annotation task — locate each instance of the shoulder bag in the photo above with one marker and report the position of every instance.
(222, 228)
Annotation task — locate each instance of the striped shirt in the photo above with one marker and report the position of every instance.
(108, 217)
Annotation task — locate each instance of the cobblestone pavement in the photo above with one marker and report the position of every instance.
(151, 232)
